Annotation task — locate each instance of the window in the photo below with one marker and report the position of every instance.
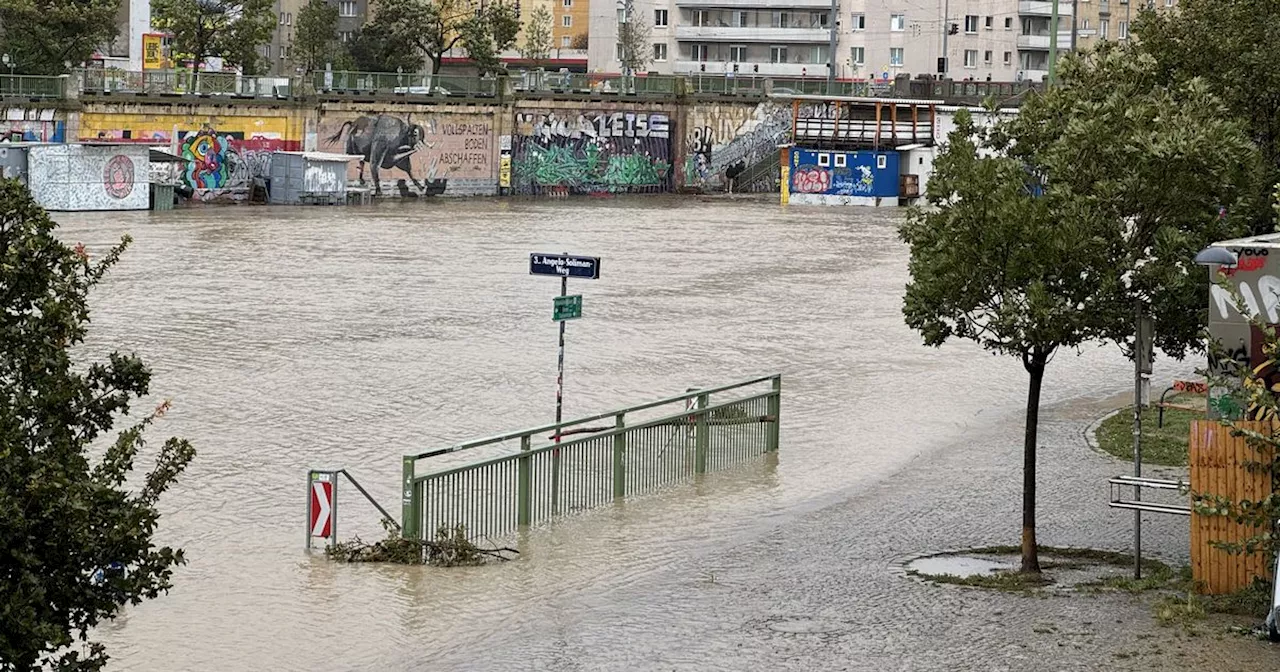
(741, 19)
(897, 22)
(282, 18)
(1123, 30)
(777, 54)
(266, 51)
(1084, 24)
(842, 160)
(660, 18)
(1008, 23)
(737, 53)
(659, 52)
(858, 22)
(700, 52)
(1008, 58)
(858, 56)
(619, 52)
(824, 160)
(818, 19)
(344, 36)
(989, 21)
(701, 17)
(781, 19)
(568, 3)
(347, 8)
(818, 53)
(970, 58)
(1104, 27)
(970, 24)
(565, 42)
(567, 20)
(895, 56)
(986, 57)
(882, 161)
(288, 19)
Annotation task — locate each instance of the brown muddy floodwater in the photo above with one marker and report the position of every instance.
(291, 338)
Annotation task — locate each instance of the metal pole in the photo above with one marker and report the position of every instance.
(1053, 44)
(1138, 353)
(564, 291)
(1075, 24)
(308, 516)
(946, 32)
(831, 50)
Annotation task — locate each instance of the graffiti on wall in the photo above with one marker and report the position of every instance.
(844, 175)
(437, 154)
(19, 124)
(225, 156)
(723, 141)
(591, 152)
(82, 177)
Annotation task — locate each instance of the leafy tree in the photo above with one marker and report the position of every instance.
(43, 36)
(487, 33)
(633, 35)
(230, 29)
(991, 263)
(537, 36)
(375, 49)
(1231, 46)
(433, 27)
(75, 537)
(315, 42)
(1063, 224)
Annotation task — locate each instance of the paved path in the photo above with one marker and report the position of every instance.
(839, 566)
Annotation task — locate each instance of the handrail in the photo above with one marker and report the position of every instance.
(1118, 502)
(591, 418)
(683, 419)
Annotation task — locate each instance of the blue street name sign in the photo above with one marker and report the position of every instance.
(564, 266)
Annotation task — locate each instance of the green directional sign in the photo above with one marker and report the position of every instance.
(566, 308)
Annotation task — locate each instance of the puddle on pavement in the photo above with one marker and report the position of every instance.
(959, 565)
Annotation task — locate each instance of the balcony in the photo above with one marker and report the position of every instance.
(771, 35)
(747, 70)
(755, 4)
(1043, 8)
(1041, 42)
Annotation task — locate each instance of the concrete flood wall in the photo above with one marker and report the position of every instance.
(449, 149)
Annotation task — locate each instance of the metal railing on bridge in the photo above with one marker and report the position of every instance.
(403, 84)
(32, 87)
(587, 465)
(180, 82)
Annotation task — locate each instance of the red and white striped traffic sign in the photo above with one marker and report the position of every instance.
(321, 508)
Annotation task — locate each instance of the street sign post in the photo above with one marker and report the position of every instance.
(566, 308)
(322, 505)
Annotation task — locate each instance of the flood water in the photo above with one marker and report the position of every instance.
(346, 337)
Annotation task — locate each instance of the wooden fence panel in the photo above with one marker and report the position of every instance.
(1217, 462)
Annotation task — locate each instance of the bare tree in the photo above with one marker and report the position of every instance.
(633, 39)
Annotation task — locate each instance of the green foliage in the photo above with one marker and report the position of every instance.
(537, 36)
(230, 29)
(376, 49)
(1165, 445)
(315, 43)
(487, 33)
(67, 508)
(450, 548)
(1147, 169)
(1225, 44)
(44, 36)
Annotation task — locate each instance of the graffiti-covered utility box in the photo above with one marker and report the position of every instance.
(1256, 277)
(316, 178)
(89, 177)
(823, 177)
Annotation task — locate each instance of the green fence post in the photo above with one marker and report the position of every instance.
(775, 408)
(702, 436)
(410, 503)
(524, 489)
(619, 457)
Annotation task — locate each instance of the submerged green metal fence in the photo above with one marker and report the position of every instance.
(594, 464)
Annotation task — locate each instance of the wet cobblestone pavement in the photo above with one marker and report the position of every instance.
(827, 592)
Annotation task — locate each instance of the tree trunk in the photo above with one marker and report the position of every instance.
(1030, 557)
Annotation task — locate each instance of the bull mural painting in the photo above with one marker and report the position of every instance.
(385, 142)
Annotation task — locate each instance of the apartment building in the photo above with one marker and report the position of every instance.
(278, 54)
(1004, 40)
